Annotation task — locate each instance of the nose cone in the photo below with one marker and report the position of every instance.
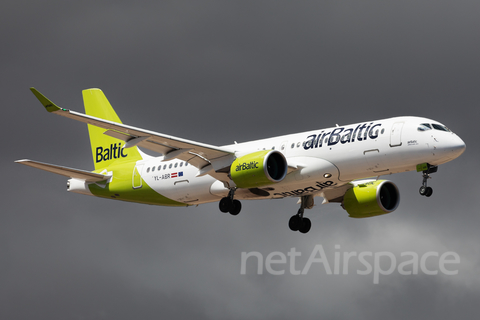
(460, 147)
(454, 147)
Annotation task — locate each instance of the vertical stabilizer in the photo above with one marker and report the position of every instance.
(106, 150)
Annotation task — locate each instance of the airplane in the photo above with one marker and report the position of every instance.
(341, 164)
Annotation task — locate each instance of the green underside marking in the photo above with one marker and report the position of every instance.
(422, 167)
(120, 188)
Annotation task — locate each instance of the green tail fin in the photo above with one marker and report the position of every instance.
(106, 150)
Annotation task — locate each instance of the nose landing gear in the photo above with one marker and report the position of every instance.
(425, 190)
(298, 222)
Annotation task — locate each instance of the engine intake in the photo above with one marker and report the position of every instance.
(372, 198)
(258, 169)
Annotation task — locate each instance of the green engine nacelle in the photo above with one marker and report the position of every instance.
(258, 169)
(370, 199)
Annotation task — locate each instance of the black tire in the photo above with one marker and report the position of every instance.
(423, 190)
(294, 223)
(235, 208)
(305, 225)
(225, 205)
(428, 192)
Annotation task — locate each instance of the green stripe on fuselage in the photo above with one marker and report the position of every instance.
(120, 188)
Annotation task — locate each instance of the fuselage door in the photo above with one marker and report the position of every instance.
(396, 134)
(375, 161)
(136, 176)
(181, 191)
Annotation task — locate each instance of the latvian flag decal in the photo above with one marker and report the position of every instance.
(177, 174)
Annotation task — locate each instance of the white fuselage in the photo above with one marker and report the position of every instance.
(318, 160)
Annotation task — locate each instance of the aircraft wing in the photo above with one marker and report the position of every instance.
(203, 156)
(65, 171)
(335, 194)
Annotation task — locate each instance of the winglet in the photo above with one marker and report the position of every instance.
(47, 103)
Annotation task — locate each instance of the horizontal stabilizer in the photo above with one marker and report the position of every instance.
(64, 171)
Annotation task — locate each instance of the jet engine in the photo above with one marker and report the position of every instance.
(372, 198)
(258, 169)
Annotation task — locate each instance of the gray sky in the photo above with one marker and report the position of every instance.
(215, 72)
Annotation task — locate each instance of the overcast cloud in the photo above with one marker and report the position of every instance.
(215, 72)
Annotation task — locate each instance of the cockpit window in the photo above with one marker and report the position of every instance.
(424, 127)
(440, 127)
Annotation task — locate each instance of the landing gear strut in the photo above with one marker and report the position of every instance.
(425, 190)
(228, 204)
(298, 222)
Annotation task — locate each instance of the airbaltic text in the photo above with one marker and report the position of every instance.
(318, 186)
(115, 152)
(247, 166)
(343, 135)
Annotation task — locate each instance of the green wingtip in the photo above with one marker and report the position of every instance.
(47, 103)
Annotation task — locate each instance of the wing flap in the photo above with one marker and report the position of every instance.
(65, 171)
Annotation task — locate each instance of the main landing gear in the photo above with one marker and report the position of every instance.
(298, 222)
(424, 189)
(228, 204)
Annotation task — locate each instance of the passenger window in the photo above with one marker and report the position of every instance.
(148, 169)
(186, 164)
(153, 169)
(176, 164)
(293, 145)
(164, 166)
(298, 144)
(159, 168)
(170, 166)
(181, 164)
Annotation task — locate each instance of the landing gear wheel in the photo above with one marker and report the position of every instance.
(423, 190)
(225, 204)
(428, 192)
(236, 207)
(306, 224)
(298, 222)
(294, 223)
